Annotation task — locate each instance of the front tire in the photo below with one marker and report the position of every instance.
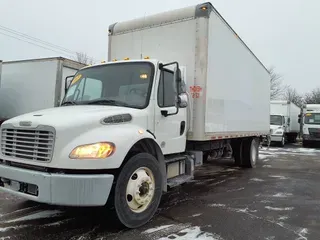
(283, 141)
(305, 144)
(138, 190)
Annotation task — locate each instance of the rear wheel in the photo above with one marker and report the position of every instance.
(138, 190)
(205, 157)
(250, 152)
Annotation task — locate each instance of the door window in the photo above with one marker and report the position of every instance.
(166, 90)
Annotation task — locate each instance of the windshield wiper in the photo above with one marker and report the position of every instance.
(68, 103)
(107, 102)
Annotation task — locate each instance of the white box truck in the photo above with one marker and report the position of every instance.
(284, 126)
(33, 84)
(310, 124)
(130, 128)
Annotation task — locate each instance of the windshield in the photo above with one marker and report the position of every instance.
(275, 120)
(121, 84)
(312, 118)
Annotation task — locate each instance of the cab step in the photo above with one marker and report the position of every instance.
(176, 181)
(179, 169)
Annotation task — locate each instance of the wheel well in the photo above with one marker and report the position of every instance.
(148, 145)
(143, 145)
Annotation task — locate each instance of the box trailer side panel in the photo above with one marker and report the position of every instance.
(279, 108)
(182, 36)
(237, 87)
(166, 37)
(30, 81)
(294, 112)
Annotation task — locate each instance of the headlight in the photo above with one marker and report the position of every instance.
(93, 151)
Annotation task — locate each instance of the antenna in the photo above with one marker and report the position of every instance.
(141, 47)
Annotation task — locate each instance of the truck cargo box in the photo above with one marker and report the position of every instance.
(30, 85)
(228, 85)
(288, 110)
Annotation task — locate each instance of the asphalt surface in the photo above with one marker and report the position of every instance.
(279, 199)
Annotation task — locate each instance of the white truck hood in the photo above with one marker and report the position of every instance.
(72, 116)
(274, 127)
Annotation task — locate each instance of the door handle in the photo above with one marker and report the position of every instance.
(164, 113)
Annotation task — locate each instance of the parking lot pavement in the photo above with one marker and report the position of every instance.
(280, 199)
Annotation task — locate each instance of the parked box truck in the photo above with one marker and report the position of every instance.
(179, 86)
(33, 84)
(284, 126)
(311, 124)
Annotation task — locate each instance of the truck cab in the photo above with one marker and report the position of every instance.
(278, 128)
(284, 126)
(311, 124)
(123, 115)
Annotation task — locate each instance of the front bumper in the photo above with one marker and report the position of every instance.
(276, 138)
(57, 189)
(310, 138)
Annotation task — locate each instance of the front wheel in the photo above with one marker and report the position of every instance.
(138, 190)
(283, 141)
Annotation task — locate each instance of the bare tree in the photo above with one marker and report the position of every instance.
(276, 88)
(313, 97)
(84, 58)
(291, 94)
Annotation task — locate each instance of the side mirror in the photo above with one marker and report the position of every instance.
(67, 83)
(299, 120)
(177, 79)
(183, 100)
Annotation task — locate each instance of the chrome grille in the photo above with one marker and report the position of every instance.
(28, 144)
(314, 132)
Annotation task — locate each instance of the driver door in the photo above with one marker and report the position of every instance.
(170, 131)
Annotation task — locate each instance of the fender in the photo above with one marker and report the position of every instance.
(124, 136)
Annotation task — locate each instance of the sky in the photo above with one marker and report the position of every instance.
(284, 34)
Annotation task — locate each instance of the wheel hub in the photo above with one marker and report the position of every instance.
(140, 190)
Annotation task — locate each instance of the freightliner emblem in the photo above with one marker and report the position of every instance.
(25, 124)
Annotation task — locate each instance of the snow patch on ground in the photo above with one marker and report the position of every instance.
(157, 232)
(278, 176)
(231, 170)
(263, 156)
(240, 210)
(270, 238)
(156, 229)
(5, 229)
(282, 195)
(281, 218)
(235, 190)
(217, 183)
(256, 180)
(197, 215)
(279, 209)
(305, 150)
(192, 233)
(217, 205)
(38, 215)
(302, 234)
